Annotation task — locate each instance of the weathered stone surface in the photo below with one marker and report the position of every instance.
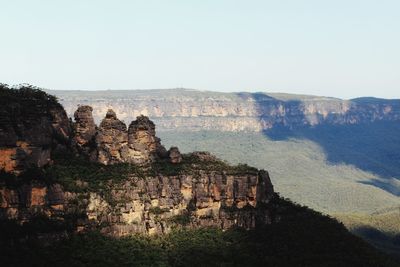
(112, 140)
(112, 143)
(144, 146)
(174, 155)
(30, 200)
(84, 131)
(31, 128)
(151, 205)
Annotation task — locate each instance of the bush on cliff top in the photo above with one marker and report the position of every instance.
(25, 97)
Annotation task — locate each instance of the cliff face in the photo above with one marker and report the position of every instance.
(151, 204)
(115, 179)
(180, 109)
(32, 125)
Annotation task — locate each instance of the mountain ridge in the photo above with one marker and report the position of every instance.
(241, 111)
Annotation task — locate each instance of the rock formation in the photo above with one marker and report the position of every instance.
(112, 140)
(32, 126)
(114, 143)
(84, 131)
(152, 205)
(142, 140)
(174, 155)
(29, 137)
(174, 191)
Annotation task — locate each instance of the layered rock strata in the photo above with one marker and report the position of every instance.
(154, 204)
(193, 110)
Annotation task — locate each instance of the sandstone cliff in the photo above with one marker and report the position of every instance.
(113, 178)
(32, 125)
(197, 195)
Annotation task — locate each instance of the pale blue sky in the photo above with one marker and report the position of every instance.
(342, 48)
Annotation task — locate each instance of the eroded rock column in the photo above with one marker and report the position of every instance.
(85, 132)
(143, 143)
(112, 140)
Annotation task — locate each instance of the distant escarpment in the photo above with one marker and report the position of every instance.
(77, 176)
(192, 110)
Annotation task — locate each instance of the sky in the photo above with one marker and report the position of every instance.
(341, 48)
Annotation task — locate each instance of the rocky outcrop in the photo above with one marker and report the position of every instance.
(174, 155)
(29, 135)
(142, 140)
(32, 126)
(112, 140)
(138, 144)
(151, 204)
(31, 200)
(84, 131)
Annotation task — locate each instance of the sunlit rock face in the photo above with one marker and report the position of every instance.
(142, 140)
(112, 140)
(151, 205)
(138, 144)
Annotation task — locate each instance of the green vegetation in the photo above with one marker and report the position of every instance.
(24, 100)
(192, 163)
(380, 229)
(158, 210)
(301, 237)
(77, 174)
(181, 219)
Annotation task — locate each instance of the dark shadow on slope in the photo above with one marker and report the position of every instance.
(370, 146)
(373, 147)
(387, 186)
(383, 241)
